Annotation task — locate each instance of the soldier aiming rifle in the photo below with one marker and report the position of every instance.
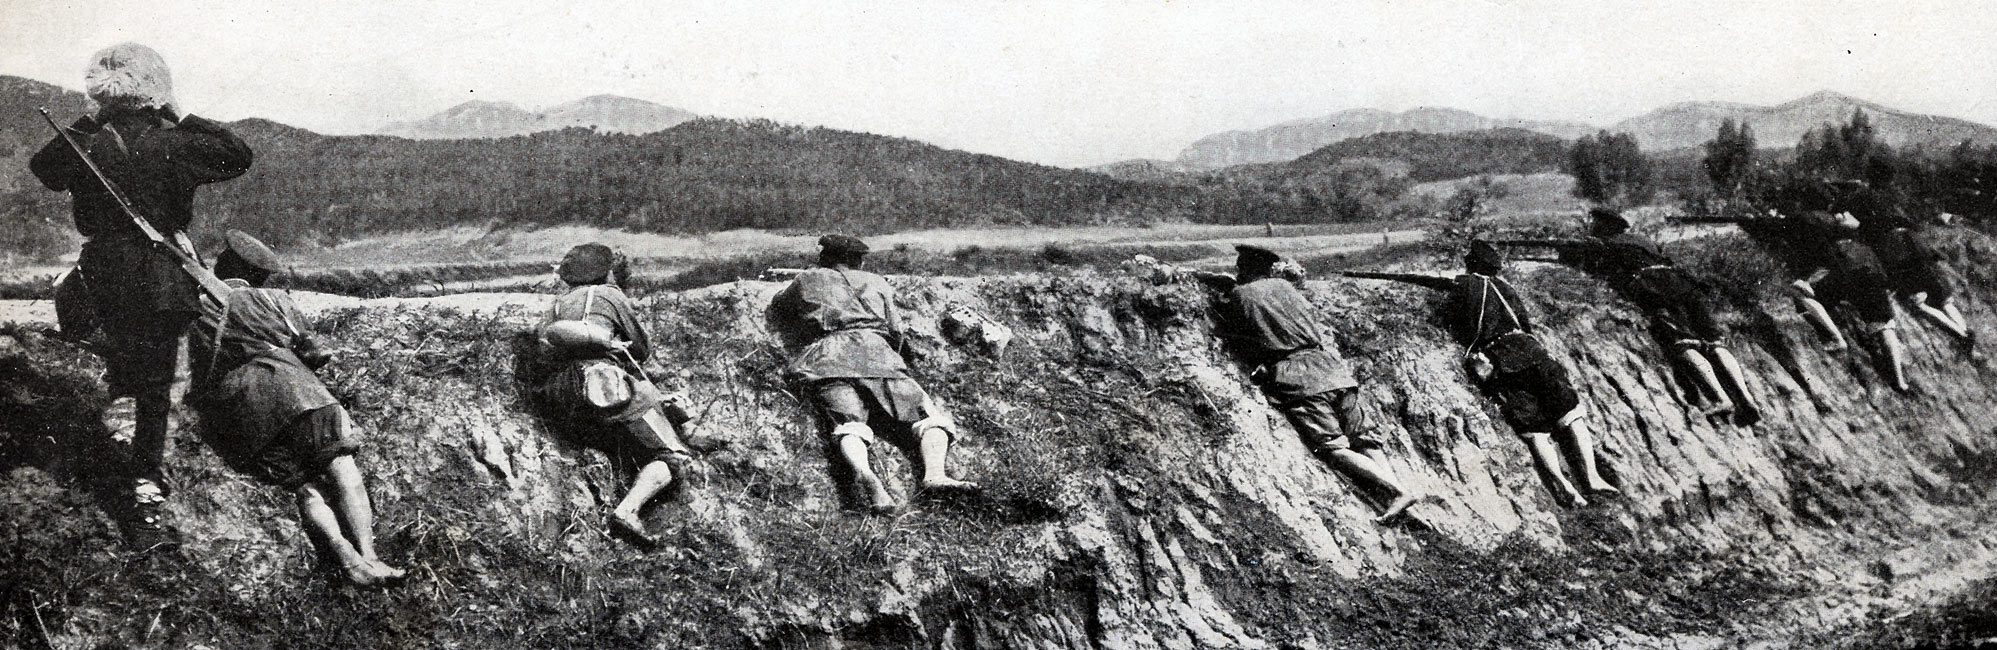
(1506, 359)
(1293, 358)
(1678, 304)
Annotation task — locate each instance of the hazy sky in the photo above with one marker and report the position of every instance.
(1064, 83)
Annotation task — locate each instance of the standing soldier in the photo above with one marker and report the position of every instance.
(1504, 357)
(1293, 358)
(253, 378)
(143, 300)
(845, 332)
(599, 338)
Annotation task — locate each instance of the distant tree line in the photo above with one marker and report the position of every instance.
(1920, 180)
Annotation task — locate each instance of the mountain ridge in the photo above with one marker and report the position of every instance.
(1676, 125)
(499, 119)
(1295, 138)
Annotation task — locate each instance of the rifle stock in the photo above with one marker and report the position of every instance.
(181, 250)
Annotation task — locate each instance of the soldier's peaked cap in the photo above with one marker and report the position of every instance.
(1253, 257)
(843, 245)
(249, 251)
(587, 263)
(1483, 253)
(1608, 218)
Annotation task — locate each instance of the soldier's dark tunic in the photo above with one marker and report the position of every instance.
(266, 406)
(1487, 315)
(1896, 257)
(1856, 277)
(1680, 311)
(838, 324)
(607, 307)
(1923, 268)
(1910, 263)
(139, 294)
(1293, 359)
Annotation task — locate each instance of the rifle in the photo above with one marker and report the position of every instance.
(778, 274)
(1558, 246)
(180, 248)
(1417, 279)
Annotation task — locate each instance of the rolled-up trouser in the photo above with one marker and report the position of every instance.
(857, 406)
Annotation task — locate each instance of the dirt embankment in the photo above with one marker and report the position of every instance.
(1140, 493)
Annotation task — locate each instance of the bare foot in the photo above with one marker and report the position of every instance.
(1602, 487)
(360, 574)
(883, 503)
(947, 484)
(629, 524)
(385, 570)
(1399, 505)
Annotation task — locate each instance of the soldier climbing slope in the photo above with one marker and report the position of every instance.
(597, 338)
(1820, 240)
(845, 337)
(1916, 270)
(1509, 362)
(1678, 304)
(1293, 358)
(253, 381)
(1844, 271)
(141, 298)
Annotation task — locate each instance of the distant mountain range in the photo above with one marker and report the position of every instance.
(483, 119)
(1691, 124)
(1290, 140)
(1676, 126)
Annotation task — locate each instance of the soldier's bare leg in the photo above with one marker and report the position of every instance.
(1583, 442)
(652, 478)
(321, 522)
(1709, 383)
(1379, 458)
(936, 461)
(1368, 472)
(357, 512)
(1747, 411)
(1548, 459)
(1819, 319)
(1945, 315)
(1896, 355)
(853, 449)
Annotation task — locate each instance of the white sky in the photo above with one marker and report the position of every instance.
(1064, 83)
